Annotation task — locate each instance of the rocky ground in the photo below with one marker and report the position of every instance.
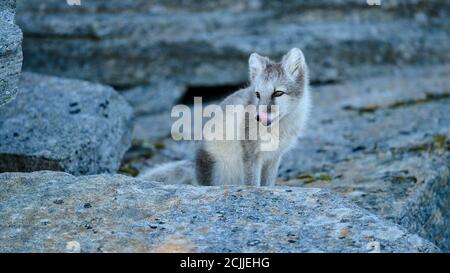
(371, 173)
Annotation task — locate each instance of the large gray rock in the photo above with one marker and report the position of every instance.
(10, 52)
(61, 124)
(384, 142)
(130, 43)
(57, 212)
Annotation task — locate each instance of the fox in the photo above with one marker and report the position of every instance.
(283, 86)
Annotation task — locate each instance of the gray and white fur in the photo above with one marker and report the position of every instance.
(242, 162)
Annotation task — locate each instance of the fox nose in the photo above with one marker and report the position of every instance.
(264, 118)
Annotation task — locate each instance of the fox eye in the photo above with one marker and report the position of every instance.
(278, 94)
(258, 95)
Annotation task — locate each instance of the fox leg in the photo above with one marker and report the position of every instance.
(252, 172)
(270, 171)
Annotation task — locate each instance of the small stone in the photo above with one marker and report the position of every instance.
(253, 242)
(343, 233)
(73, 247)
(374, 247)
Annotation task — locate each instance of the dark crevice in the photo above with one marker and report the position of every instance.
(323, 82)
(213, 92)
(209, 93)
(125, 87)
(217, 92)
(27, 163)
(71, 36)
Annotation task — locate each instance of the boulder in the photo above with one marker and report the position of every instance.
(10, 52)
(58, 212)
(131, 43)
(67, 125)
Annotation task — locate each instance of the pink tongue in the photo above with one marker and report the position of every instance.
(264, 118)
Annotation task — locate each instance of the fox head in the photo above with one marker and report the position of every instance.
(278, 86)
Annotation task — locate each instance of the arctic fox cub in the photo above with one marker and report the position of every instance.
(274, 85)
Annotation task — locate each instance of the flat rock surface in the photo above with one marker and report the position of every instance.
(383, 142)
(129, 43)
(10, 52)
(58, 212)
(61, 124)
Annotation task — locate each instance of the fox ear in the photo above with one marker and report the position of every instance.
(256, 64)
(294, 64)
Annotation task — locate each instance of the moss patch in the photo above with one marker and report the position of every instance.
(160, 145)
(441, 142)
(310, 178)
(129, 170)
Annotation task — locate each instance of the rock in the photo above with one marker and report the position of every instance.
(130, 43)
(7, 11)
(10, 52)
(154, 127)
(379, 114)
(408, 189)
(154, 98)
(383, 142)
(60, 124)
(152, 105)
(130, 215)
